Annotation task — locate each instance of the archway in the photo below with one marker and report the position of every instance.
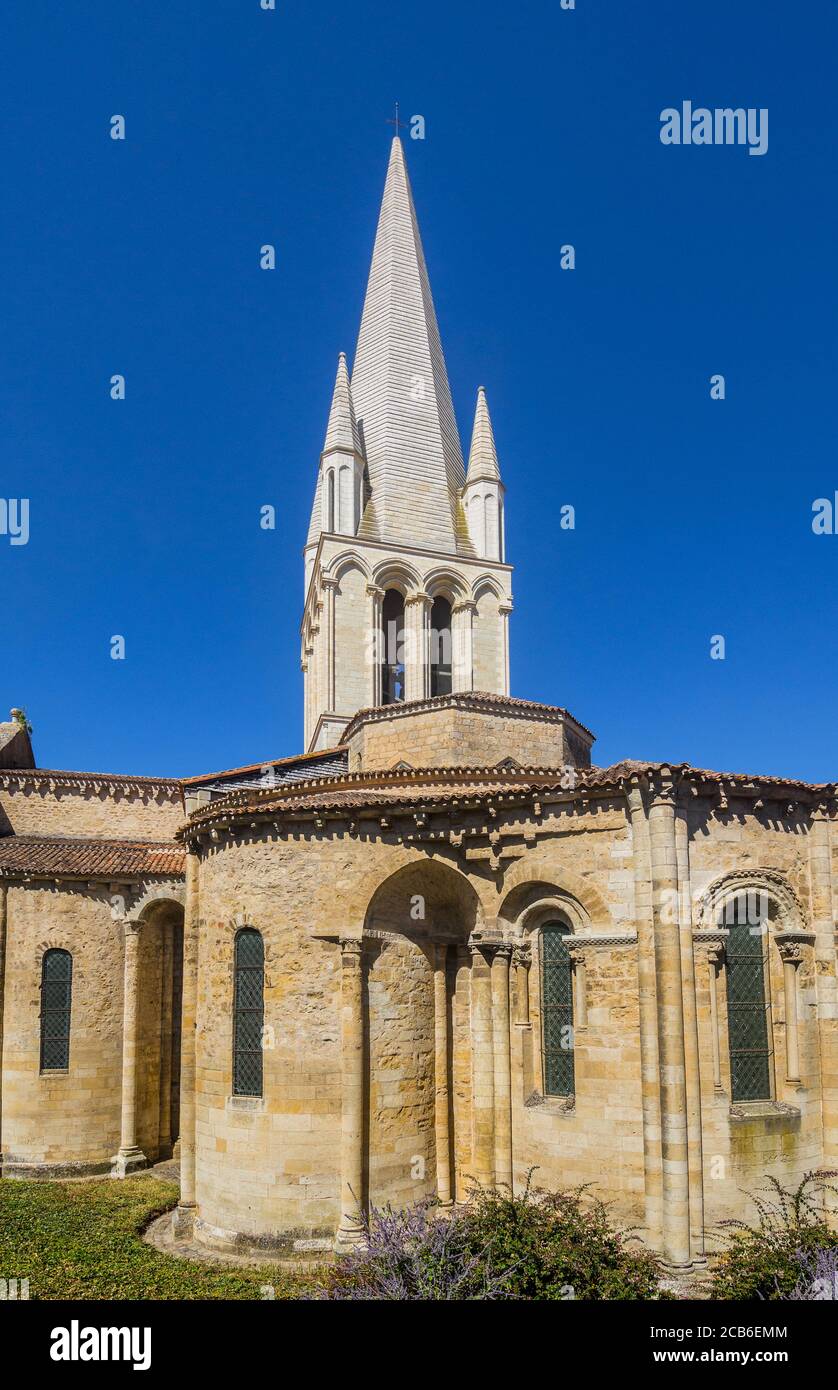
(159, 1024)
(392, 648)
(417, 1139)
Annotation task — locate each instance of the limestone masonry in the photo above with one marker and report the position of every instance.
(439, 947)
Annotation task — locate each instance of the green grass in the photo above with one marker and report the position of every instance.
(80, 1241)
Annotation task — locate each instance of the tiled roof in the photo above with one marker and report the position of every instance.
(437, 787)
(54, 856)
(463, 699)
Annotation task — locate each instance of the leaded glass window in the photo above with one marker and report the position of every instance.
(56, 995)
(248, 1013)
(556, 1010)
(747, 1005)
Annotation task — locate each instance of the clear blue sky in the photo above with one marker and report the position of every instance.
(245, 127)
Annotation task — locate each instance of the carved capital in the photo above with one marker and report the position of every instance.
(420, 599)
(791, 945)
(522, 955)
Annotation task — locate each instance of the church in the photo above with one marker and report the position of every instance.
(439, 947)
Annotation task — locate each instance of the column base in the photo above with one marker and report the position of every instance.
(128, 1161)
(347, 1239)
(669, 1267)
(183, 1220)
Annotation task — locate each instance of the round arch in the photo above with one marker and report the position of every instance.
(424, 897)
(531, 883)
(485, 583)
(788, 912)
(155, 896)
(397, 574)
(444, 583)
(346, 560)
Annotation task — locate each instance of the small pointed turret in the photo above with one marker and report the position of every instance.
(341, 431)
(483, 492)
(339, 495)
(483, 456)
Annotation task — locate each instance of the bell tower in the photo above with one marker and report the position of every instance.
(407, 589)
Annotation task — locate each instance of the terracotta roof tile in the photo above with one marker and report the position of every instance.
(443, 786)
(55, 856)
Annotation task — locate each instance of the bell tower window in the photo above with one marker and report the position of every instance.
(392, 663)
(441, 647)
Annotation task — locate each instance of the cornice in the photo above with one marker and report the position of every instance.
(23, 778)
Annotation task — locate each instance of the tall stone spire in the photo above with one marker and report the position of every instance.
(400, 387)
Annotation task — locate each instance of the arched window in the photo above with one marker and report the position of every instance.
(392, 660)
(248, 1012)
(56, 995)
(556, 1010)
(441, 647)
(746, 919)
(330, 500)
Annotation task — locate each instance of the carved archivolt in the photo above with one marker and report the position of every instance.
(567, 891)
(788, 915)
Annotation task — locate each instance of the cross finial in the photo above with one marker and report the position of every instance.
(399, 125)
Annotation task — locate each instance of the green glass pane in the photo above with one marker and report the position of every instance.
(557, 1011)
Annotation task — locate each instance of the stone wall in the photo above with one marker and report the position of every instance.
(59, 1119)
(33, 804)
(67, 1121)
(454, 737)
(304, 889)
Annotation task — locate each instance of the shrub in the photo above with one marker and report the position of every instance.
(818, 1281)
(560, 1245)
(538, 1245)
(410, 1255)
(764, 1261)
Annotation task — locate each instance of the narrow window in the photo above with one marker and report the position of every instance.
(330, 500)
(441, 647)
(248, 1013)
(747, 1006)
(556, 1010)
(392, 664)
(56, 993)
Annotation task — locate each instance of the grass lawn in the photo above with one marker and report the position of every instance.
(79, 1240)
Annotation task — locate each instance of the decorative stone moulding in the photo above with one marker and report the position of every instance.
(583, 941)
(791, 915)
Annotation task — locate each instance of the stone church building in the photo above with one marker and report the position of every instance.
(440, 946)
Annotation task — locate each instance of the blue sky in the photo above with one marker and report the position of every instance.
(542, 128)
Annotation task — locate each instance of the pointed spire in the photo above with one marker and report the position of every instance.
(342, 432)
(400, 386)
(483, 456)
